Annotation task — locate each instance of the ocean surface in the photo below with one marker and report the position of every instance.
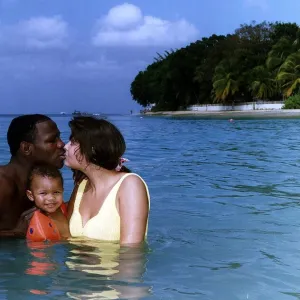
(224, 221)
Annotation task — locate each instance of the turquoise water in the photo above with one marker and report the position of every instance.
(224, 222)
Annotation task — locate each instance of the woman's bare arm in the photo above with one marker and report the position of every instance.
(134, 210)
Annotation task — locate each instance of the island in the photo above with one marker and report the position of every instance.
(256, 63)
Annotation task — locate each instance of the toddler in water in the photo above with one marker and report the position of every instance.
(45, 188)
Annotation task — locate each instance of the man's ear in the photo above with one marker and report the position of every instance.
(29, 195)
(26, 148)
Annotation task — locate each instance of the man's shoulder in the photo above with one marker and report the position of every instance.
(6, 173)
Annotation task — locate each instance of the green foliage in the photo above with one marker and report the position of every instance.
(225, 80)
(257, 61)
(289, 74)
(292, 102)
(263, 84)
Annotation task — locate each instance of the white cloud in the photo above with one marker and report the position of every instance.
(35, 33)
(261, 4)
(123, 16)
(42, 32)
(125, 25)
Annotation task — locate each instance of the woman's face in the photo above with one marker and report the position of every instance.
(73, 159)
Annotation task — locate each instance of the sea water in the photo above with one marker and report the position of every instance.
(224, 220)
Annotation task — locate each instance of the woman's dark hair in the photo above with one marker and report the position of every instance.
(101, 142)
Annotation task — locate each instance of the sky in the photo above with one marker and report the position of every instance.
(66, 55)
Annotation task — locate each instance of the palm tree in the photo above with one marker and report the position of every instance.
(296, 42)
(225, 81)
(263, 85)
(161, 57)
(280, 51)
(289, 74)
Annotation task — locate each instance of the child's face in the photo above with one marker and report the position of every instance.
(46, 192)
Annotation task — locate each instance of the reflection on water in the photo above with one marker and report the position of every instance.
(79, 269)
(120, 270)
(39, 264)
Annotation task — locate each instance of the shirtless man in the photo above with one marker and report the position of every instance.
(31, 139)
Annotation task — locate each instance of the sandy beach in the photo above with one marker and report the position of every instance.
(230, 114)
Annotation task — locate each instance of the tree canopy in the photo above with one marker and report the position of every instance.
(256, 61)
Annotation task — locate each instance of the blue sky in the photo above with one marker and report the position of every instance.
(62, 55)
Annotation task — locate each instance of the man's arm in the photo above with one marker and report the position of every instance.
(7, 195)
(21, 228)
(7, 191)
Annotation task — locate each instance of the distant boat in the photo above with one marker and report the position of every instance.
(62, 113)
(102, 116)
(81, 113)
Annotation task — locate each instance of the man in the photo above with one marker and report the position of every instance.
(31, 139)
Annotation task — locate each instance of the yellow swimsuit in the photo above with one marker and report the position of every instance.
(106, 224)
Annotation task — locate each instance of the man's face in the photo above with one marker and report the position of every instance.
(48, 147)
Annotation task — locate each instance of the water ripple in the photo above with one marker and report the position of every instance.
(224, 220)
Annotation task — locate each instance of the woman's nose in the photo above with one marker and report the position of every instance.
(66, 146)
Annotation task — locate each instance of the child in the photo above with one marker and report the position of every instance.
(48, 221)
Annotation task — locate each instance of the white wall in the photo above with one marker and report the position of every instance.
(246, 106)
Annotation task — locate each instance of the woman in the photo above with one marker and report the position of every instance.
(108, 204)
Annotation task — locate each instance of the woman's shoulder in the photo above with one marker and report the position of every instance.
(132, 178)
(134, 194)
(133, 182)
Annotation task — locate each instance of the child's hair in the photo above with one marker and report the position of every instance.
(44, 170)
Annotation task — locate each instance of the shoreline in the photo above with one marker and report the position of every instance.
(231, 113)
